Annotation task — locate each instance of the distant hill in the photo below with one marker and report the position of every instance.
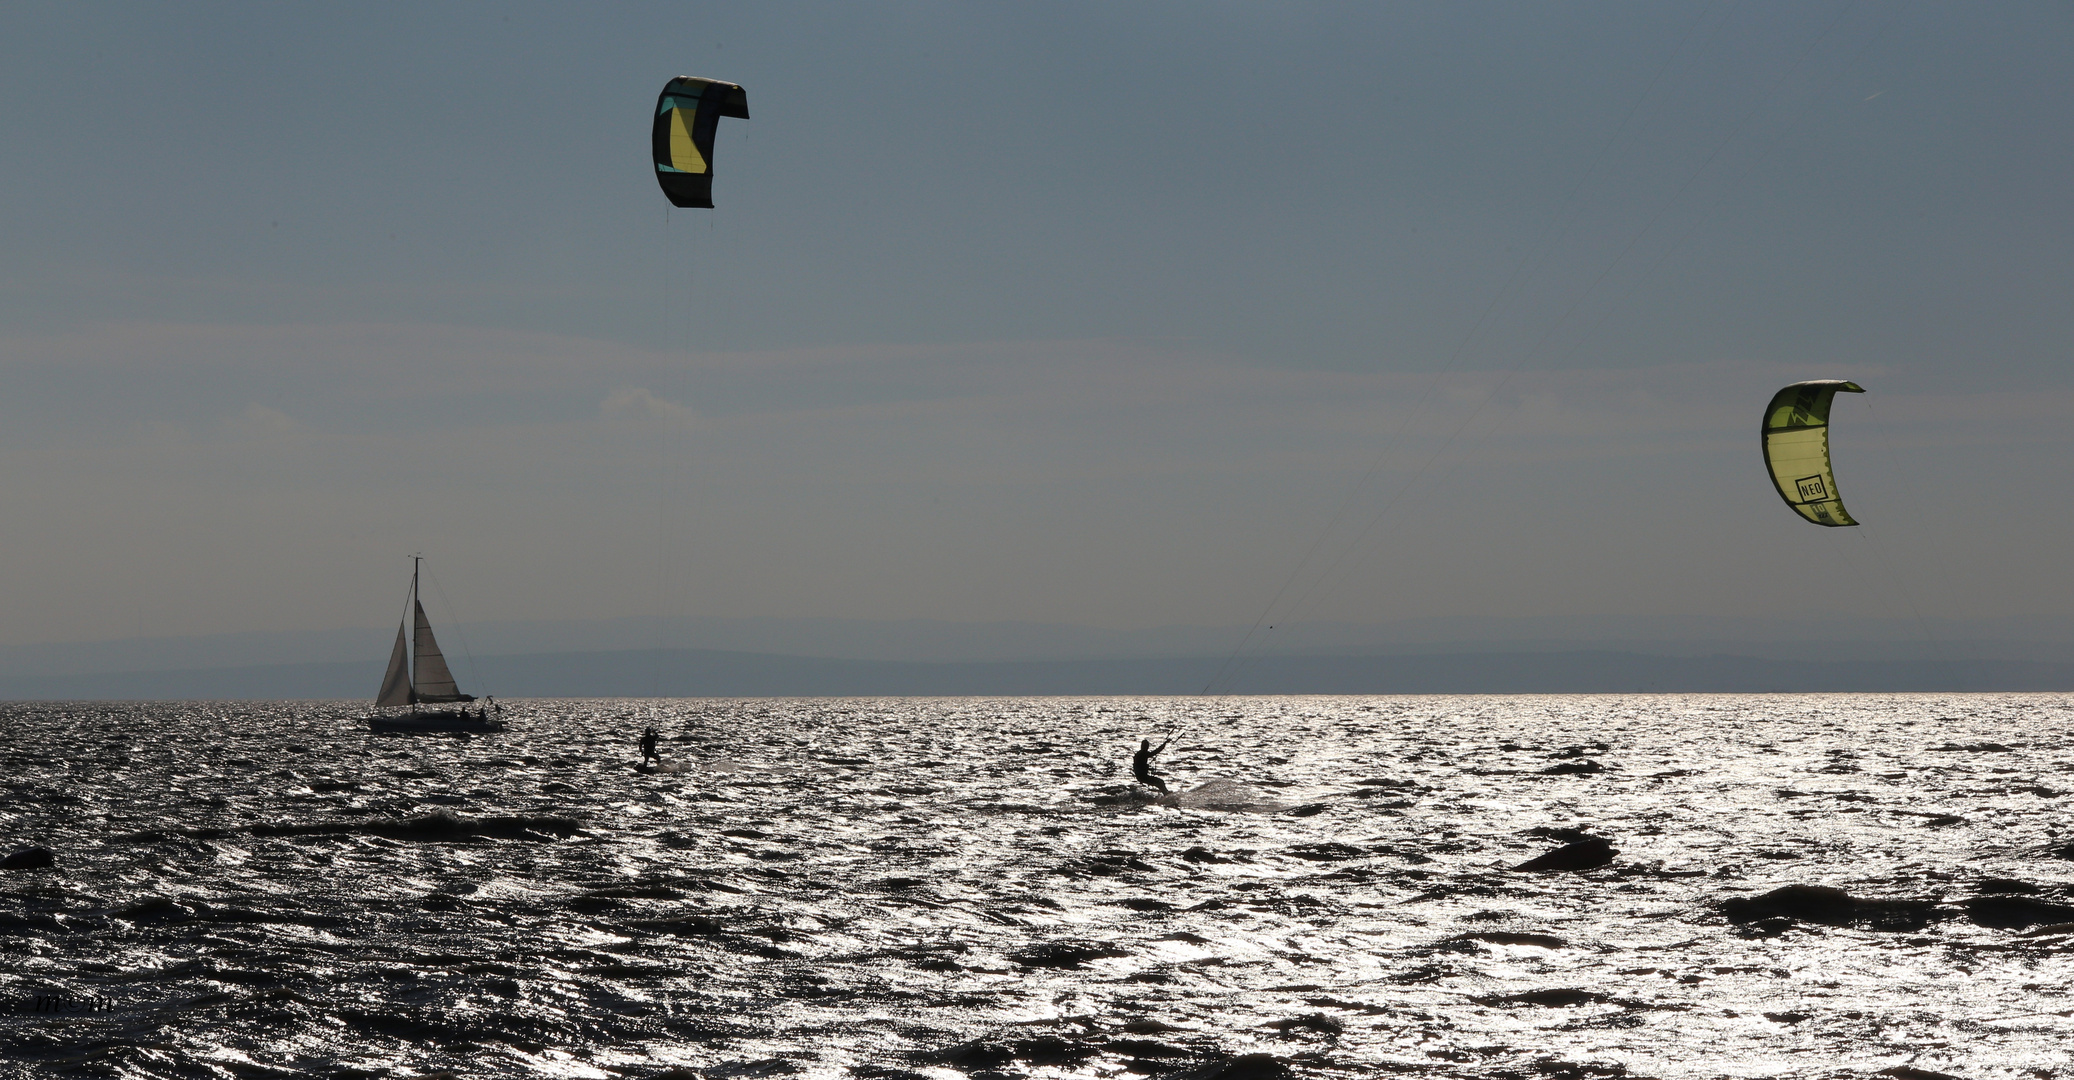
(922, 641)
(713, 673)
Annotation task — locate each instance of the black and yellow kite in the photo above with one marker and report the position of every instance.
(686, 112)
(1796, 449)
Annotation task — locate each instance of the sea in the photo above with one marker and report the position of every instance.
(975, 889)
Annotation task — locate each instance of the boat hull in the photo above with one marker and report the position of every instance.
(432, 723)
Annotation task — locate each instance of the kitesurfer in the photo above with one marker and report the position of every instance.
(648, 747)
(1141, 764)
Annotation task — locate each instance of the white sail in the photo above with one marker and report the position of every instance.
(434, 681)
(396, 683)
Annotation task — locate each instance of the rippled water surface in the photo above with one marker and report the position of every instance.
(951, 888)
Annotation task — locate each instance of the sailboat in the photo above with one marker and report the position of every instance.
(418, 675)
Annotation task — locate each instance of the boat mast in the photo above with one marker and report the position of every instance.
(412, 615)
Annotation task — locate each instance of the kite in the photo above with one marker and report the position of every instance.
(1796, 449)
(686, 113)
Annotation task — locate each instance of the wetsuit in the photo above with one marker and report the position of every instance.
(648, 746)
(1141, 765)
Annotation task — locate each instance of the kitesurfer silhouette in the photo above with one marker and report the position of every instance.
(648, 747)
(1141, 764)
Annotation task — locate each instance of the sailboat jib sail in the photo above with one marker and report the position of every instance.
(396, 682)
(434, 681)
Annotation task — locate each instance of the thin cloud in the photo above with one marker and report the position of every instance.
(635, 403)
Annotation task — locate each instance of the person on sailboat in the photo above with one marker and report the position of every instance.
(1141, 764)
(648, 739)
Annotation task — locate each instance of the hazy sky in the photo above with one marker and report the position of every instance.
(1083, 313)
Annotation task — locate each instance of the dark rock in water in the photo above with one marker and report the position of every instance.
(746, 1070)
(884, 1072)
(1589, 853)
(1815, 903)
(1318, 1022)
(155, 909)
(1831, 907)
(1052, 1050)
(644, 891)
(2013, 912)
(1328, 852)
(1554, 998)
(1579, 1070)
(681, 925)
(1910, 1072)
(1501, 937)
(985, 1054)
(1249, 1067)
(1069, 955)
(436, 827)
(1151, 1056)
(1107, 864)
(1443, 892)
(1202, 855)
(1581, 767)
(29, 858)
(1424, 973)
(1308, 810)
(1657, 872)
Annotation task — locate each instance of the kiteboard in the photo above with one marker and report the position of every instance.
(1217, 794)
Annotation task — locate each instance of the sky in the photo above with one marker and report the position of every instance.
(1111, 315)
